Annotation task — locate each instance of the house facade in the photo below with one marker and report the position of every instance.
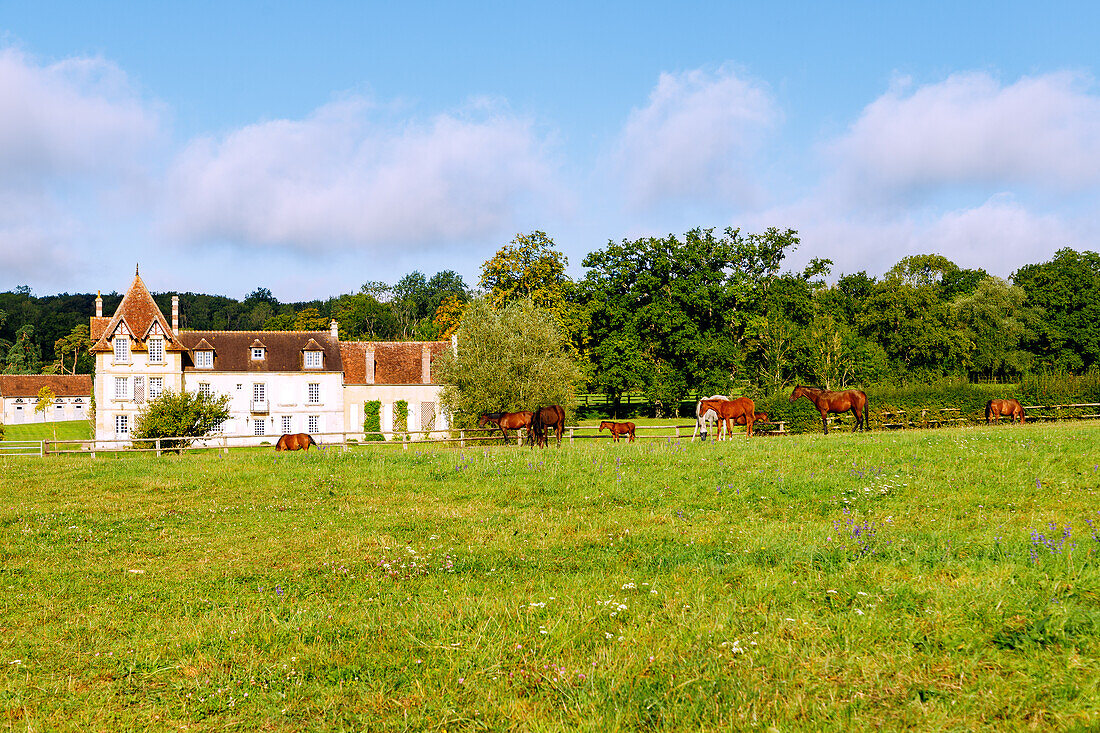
(19, 397)
(277, 381)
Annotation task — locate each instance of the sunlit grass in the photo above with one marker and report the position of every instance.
(61, 430)
(918, 579)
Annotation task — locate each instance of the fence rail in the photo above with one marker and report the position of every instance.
(22, 448)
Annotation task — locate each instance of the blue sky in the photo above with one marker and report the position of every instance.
(309, 148)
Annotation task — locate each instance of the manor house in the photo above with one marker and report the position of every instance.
(277, 381)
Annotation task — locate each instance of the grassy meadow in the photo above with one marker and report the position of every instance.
(61, 430)
(941, 579)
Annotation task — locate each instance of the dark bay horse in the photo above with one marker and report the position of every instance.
(618, 429)
(543, 419)
(995, 409)
(297, 441)
(728, 410)
(849, 400)
(505, 421)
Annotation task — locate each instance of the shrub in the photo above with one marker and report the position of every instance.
(401, 417)
(182, 415)
(372, 421)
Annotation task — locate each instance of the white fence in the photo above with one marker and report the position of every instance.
(22, 448)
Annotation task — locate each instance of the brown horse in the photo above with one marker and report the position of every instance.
(728, 410)
(543, 419)
(618, 429)
(506, 421)
(297, 441)
(826, 402)
(995, 409)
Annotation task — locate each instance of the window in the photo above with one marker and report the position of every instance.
(219, 428)
(156, 387)
(156, 350)
(287, 423)
(314, 424)
(314, 394)
(139, 390)
(257, 352)
(204, 359)
(122, 391)
(258, 426)
(122, 349)
(122, 424)
(258, 392)
(204, 389)
(314, 359)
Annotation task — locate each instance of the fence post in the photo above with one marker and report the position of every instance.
(158, 447)
(570, 436)
(461, 438)
(677, 429)
(43, 450)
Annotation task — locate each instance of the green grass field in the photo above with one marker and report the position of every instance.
(65, 430)
(927, 579)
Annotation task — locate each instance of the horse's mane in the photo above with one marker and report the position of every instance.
(493, 415)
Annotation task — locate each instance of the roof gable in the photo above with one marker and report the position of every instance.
(137, 312)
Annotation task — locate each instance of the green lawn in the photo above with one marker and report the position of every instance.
(66, 430)
(924, 579)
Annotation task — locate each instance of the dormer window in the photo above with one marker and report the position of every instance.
(314, 359)
(257, 352)
(204, 359)
(122, 349)
(156, 350)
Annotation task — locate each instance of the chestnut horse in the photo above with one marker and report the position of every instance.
(994, 409)
(506, 421)
(727, 410)
(297, 441)
(706, 417)
(618, 429)
(542, 419)
(849, 400)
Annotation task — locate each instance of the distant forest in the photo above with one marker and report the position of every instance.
(668, 316)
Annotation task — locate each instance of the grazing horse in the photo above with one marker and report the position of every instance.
(826, 402)
(506, 421)
(729, 410)
(542, 419)
(994, 409)
(618, 429)
(705, 418)
(297, 441)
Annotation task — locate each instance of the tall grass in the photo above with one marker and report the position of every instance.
(923, 580)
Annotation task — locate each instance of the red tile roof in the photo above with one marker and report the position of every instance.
(139, 312)
(395, 362)
(63, 385)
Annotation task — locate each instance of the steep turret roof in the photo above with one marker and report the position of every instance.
(139, 312)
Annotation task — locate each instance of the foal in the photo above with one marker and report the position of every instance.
(618, 429)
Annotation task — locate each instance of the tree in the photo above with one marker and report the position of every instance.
(448, 316)
(24, 356)
(1063, 297)
(186, 416)
(45, 401)
(530, 268)
(69, 349)
(509, 359)
(310, 319)
(992, 319)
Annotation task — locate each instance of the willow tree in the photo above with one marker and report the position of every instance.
(510, 358)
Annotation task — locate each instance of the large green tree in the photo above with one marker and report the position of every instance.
(510, 358)
(1063, 296)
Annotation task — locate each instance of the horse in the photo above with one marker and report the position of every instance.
(994, 409)
(542, 419)
(297, 441)
(826, 402)
(618, 429)
(505, 421)
(728, 410)
(706, 418)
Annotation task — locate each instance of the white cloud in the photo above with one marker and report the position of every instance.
(971, 130)
(694, 139)
(70, 132)
(343, 177)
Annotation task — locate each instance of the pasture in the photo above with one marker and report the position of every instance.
(931, 579)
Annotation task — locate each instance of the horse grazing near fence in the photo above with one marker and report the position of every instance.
(618, 429)
(849, 400)
(727, 411)
(995, 409)
(505, 421)
(544, 419)
(706, 417)
(297, 441)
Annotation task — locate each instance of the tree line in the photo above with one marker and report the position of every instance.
(707, 311)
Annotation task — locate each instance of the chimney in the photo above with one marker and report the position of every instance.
(426, 364)
(334, 330)
(368, 371)
(99, 305)
(176, 315)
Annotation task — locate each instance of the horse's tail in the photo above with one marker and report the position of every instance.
(988, 410)
(314, 442)
(866, 412)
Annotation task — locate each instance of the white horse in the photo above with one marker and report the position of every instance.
(709, 417)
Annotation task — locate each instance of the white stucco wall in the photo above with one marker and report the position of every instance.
(20, 410)
(107, 406)
(356, 395)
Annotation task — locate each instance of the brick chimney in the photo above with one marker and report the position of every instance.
(368, 371)
(426, 364)
(176, 315)
(334, 329)
(99, 305)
